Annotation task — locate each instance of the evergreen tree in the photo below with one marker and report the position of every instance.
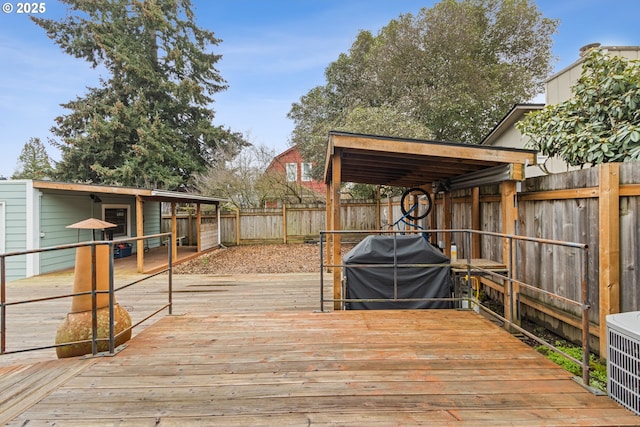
(34, 162)
(148, 124)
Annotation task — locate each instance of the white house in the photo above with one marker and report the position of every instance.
(557, 89)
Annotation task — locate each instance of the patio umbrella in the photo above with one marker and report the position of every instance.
(91, 224)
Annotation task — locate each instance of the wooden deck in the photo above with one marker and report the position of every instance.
(251, 350)
(156, 259)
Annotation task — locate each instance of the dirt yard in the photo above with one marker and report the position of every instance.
(277, 258)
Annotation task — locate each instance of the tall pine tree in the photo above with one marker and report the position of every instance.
(34, 162)
(149, 123)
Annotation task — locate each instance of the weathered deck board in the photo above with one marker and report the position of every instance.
(241, 354)
(26, 385)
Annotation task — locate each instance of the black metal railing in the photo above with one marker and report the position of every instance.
(112, 290)
(466, 270)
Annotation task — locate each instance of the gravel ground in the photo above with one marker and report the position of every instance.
(257, 259)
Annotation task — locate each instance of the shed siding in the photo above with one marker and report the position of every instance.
(58, 210)
(62, 209)
(14, 196)
(153, 222)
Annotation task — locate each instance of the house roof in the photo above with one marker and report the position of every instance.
(615, 50)
(148, 194)
(402, 162)
(513, 116)
(279, 156)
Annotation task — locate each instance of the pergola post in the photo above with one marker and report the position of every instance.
(174, 232)
(335, 226)
(446, 221)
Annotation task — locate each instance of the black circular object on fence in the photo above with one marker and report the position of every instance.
(416, 206)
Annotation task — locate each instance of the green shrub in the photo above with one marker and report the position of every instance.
(598, 370)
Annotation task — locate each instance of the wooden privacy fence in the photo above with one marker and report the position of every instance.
(187, 227)
(598, 206)
(291, 223)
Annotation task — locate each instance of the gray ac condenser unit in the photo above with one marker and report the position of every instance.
(623, 359)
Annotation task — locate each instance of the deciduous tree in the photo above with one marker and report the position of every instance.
(455, 69)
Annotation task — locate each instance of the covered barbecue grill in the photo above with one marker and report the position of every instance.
(378, 268)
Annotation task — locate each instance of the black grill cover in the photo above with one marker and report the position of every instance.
(413, 282)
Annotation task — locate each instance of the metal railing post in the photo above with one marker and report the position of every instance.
(321, 272)
(468, 256)
(170, 284)
(94, 314)
(510, 276)
(112, 301)
(395, 266)
(585, 317)
(3, 308)
(94, 293)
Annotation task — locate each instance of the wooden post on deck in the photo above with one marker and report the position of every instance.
(174, 232)
(139, 233)
(609, 246)
(508, 190)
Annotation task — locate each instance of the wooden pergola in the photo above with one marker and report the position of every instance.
(401, 162)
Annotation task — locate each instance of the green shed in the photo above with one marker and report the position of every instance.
(35, 215)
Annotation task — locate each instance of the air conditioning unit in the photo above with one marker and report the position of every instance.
(623, 359)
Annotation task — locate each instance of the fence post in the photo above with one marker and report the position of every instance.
(284, 223)
(609, 245)
(238, 227)
(475, 222)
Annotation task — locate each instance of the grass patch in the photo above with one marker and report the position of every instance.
(598, 369)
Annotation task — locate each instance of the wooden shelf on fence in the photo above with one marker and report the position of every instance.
(460, 266)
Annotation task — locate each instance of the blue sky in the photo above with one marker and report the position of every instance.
(274, 51)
